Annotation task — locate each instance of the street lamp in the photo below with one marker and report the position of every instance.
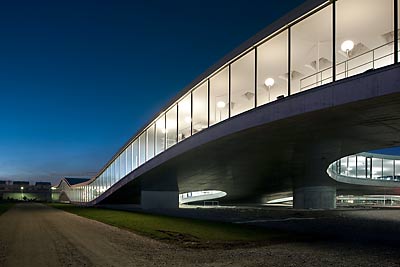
(22, 192)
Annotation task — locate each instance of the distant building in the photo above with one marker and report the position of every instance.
(23, 190)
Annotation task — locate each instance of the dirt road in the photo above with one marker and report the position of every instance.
(37, 235)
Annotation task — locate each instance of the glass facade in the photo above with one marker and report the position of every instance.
(336, 40)
(368, 166)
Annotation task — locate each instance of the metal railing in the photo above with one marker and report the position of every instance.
(319, 76)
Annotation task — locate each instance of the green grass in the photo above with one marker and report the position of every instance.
(173, 228)
(5, 206)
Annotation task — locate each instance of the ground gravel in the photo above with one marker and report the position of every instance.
(38, 235)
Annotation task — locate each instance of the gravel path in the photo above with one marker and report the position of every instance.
(37, 235)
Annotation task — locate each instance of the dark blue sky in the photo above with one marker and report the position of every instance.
(79, 78)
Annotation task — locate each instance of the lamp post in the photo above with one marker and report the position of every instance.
(269, 82)
(22, 193)
(346, 47)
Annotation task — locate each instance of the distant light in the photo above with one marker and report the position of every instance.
(22, 188)
(269, 82)
(221, 104)
(347, 46)
(53, 188)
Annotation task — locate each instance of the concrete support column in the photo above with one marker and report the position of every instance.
(315, 197)
(159, 199)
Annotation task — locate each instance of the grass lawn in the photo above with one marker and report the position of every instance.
(5, 206)
(186, 231)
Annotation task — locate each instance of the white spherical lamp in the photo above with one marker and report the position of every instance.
(347, 46)
(269, 82)
(221, 104)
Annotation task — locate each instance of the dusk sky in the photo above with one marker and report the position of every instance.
(79, 78)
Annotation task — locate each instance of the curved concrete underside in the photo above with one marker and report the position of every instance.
(280, 146)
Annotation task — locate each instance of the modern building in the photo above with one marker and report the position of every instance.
(269, 119)
(59, 192)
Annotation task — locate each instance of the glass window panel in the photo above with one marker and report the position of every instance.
(242, 84)
(219, 96)
(129, 159)
(122, 165)
(351, 166)
(91, 191)
(110, 176)
(107, 178)
(200, 108)
(397, 169)
(369, 167)
(142, 148)
(364, 39)
(160, 134)
(101, 181)
(116, 171)
(96, 188)
(361, 167)
(388, 166)
(398, 26)
(171, 127)
(311, 51)
(135, 153)
(184, 118)
(376, 168)
(343, 166)
(272, 69)
(150, 141)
